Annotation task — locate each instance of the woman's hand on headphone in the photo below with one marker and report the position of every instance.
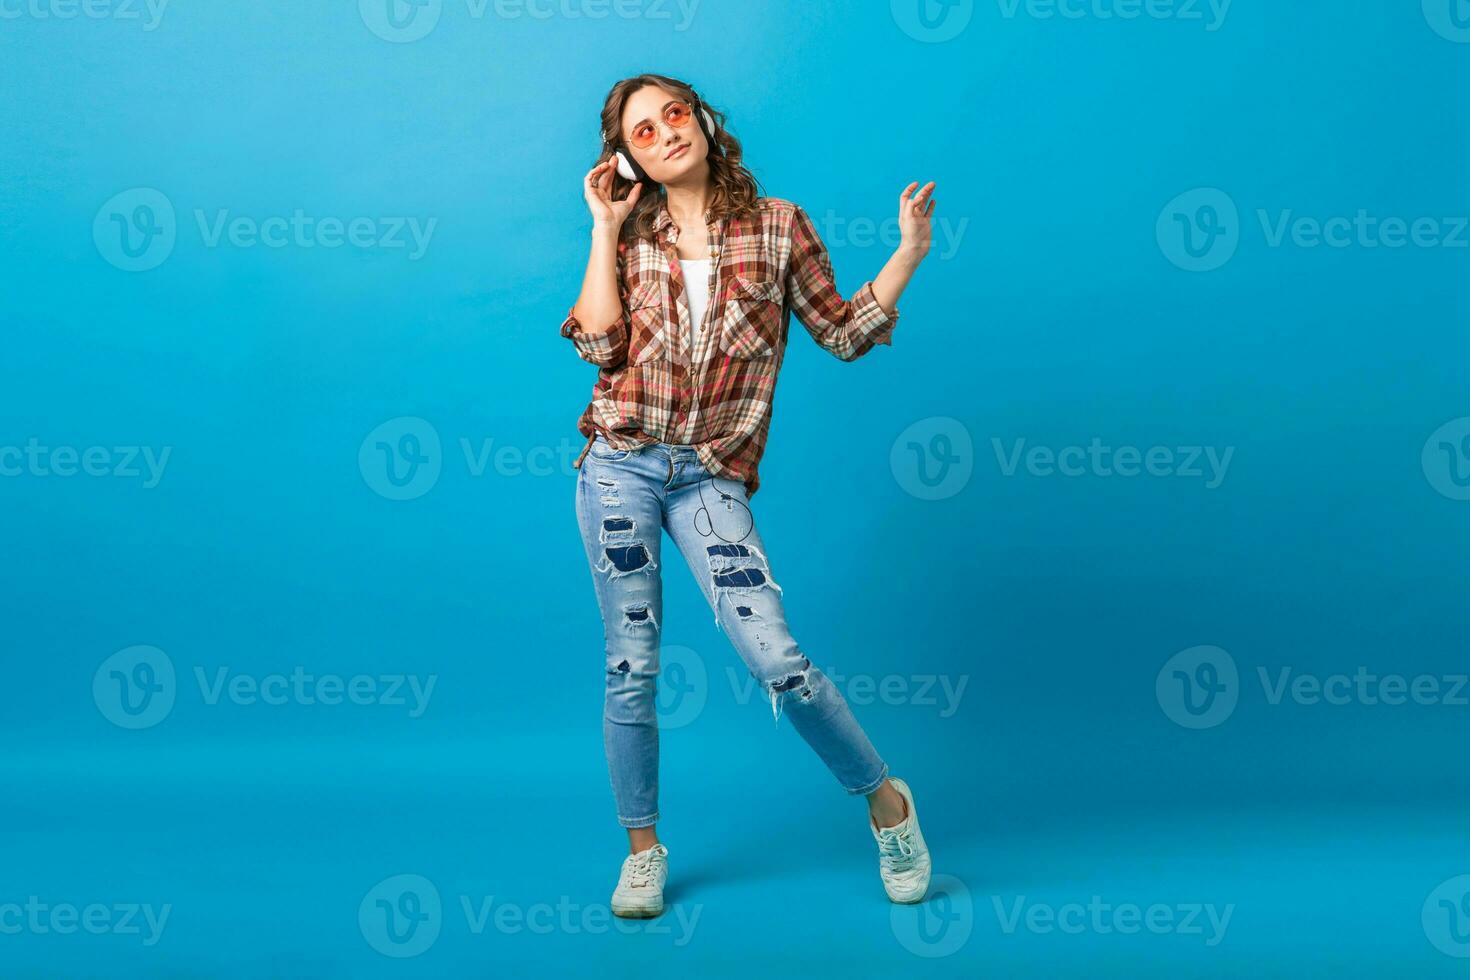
(597, 188)
(915, 212)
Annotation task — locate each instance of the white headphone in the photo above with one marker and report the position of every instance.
(629, 169)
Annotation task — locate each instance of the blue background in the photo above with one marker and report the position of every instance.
(1061, 316)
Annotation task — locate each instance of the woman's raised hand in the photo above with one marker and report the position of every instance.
(915, 212)
(597, 188)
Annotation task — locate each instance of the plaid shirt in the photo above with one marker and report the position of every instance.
(717, 394)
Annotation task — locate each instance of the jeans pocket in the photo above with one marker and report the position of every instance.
(602, 451)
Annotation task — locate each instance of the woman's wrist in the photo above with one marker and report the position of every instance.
(910, 254)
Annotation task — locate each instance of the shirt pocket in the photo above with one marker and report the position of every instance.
(752, 321)
(647, 339)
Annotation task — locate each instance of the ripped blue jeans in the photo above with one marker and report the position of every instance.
(625, 499)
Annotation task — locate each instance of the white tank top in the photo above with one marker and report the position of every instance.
(696, 288)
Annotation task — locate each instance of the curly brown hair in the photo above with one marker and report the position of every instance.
(735, 187)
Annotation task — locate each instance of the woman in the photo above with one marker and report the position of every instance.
(685, 309)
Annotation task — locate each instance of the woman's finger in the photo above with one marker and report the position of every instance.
(903, 198)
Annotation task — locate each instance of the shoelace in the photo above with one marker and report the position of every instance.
(640, 868)
(897, 849)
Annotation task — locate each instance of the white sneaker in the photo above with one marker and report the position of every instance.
(903, 857)
(640, 891)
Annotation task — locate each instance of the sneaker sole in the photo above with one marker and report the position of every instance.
(637, 913)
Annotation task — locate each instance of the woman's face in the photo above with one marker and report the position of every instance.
(678, 150)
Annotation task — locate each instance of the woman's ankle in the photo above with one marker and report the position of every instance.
(641, 839)
(886, 806)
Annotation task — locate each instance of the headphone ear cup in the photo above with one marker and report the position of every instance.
(625, 168)
(709, 124)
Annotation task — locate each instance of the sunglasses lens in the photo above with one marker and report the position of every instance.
(677, 115)
(643, 137)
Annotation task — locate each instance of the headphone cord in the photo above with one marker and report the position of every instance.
(704, 509)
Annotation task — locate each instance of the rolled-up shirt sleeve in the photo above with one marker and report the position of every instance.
(846, 328)
(605, 348)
